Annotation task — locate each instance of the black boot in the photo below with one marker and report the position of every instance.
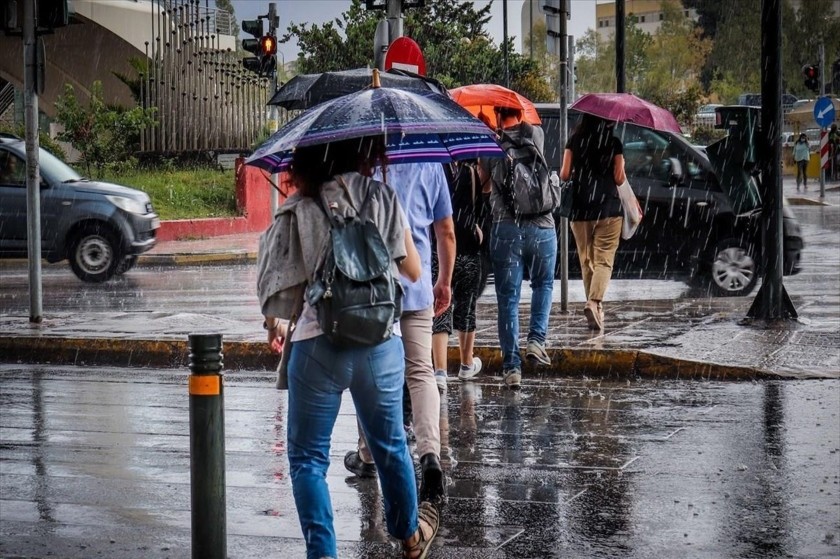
(431, 479)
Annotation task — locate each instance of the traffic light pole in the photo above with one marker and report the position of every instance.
(772, 301)
(395, 20)
(619, 46)
(33, 183)
(563, 60)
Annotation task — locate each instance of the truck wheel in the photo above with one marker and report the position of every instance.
(733, 271)
(94, 254)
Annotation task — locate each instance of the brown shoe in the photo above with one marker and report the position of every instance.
(593, 316)
(428, 524)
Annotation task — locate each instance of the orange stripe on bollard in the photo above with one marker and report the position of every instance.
(205, 385)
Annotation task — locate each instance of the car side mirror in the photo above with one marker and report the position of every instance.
(675, 174)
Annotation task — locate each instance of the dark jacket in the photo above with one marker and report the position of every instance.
(594, 193)
(469, 208)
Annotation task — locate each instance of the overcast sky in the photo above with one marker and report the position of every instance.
(320, 11)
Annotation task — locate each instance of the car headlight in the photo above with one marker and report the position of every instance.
(129, 205)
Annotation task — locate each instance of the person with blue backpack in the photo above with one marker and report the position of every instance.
(522, 200)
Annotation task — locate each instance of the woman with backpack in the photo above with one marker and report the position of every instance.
(469, 276)
(594, 161)
(335, 178)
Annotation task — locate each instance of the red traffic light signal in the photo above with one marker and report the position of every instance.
(811, 74)
(268, 45)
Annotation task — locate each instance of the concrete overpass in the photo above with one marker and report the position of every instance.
(104, 35)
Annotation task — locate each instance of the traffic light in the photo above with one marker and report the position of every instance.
(835, 77)
(268, 54)
(253, 27)
(264, 45)
(811, 73)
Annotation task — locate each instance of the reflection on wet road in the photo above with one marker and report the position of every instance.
(95, 463)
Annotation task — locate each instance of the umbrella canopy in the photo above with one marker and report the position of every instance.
(626, 107)
(419, 127)
(307, 90)
(483, 98)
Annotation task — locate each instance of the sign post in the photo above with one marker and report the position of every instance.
(824, 115)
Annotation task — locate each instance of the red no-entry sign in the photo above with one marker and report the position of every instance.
(405, 54)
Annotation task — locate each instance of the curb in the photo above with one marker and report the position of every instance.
(195, 259)
(239, 355)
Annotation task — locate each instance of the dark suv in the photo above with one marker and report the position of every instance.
(702, 208)
(100, 228)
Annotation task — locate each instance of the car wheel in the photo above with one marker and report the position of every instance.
(125, 265)
(94, 254)
(734, 270)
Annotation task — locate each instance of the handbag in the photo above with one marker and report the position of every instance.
(630, 209)
(564, 208)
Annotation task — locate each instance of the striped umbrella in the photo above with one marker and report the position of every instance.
(418, 127)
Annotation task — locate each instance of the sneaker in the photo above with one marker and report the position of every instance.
(536, 352)
(470, 371)
(513, 377)
(354, 464)
(431, 479)
(440, 379)
(593, 316)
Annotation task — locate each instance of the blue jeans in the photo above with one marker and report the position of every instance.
(318, 375)
(512, 247)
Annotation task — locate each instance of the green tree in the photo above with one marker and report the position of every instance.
(596, 60)
(674, 59)
(456, 46)
(802, 32)
(661, 68)
(102, 134)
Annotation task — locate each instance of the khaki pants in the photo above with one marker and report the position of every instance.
(416, 329)
(596, 243)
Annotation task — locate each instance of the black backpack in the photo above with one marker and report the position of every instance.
(522, 180)
(355, 293)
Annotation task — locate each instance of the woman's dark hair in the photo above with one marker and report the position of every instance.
(312, 166)
(591, 143)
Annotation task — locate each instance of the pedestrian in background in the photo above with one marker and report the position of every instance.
(801, 155)
(834, 151)
(469, 276)
(594, 162)
(291, 253)
(517, 242)
(423, 192)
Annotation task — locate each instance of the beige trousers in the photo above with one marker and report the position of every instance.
(596, 243)
(416, 329)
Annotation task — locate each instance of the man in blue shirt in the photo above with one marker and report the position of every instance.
(424, 195)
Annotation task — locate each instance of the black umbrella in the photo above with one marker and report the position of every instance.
(308, 90)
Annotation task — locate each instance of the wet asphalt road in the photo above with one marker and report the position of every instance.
(230, 289)
(94, 463)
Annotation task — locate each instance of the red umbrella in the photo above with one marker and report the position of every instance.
(483, 98)
(626, 107)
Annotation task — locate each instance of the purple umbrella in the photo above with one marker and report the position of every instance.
(626, 107)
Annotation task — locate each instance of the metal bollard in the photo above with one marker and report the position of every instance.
(207, 448)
